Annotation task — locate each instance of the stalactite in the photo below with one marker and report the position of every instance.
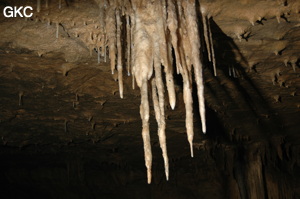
(206, 33)
(171, 87)
(143, 54)
(105, 51)
(128, 35)
(188, 101)
(91, 46)
(166, 59)
(57, 29)
(190, 14)
(102, 36)
(98, 53)
(142, 70)
(66, 126)
(161, 106)
(173, 26)
(133, 82)
(132, 28)
(208, 38)
(164, 51)
(21, 93)
(38, 6)
(119, 48)
(103, 46)
(184, 45)
(98, 47)
(161, 126)
(293, 61)
(233, 72)
(110, 22)
(185, 52)
(155, 101)
(144, 111)
(212, 48)
(93, 125)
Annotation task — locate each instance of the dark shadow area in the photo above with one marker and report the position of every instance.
(244, 90)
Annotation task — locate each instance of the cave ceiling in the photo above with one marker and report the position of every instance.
(58, 94)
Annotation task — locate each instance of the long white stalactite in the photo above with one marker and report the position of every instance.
(110, 26)
(144, 112)
(193, 35)
(132, 28)
(119, 47)
(212, 47)
(164, 50)
(208, 38)
(128, 35)
(142, 70)
(172, 24)
(206, 34)
(102, 34)
(161, 108)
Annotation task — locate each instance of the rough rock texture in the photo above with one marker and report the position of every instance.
(67, 134)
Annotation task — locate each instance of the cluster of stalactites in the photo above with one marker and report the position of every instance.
(153, 29)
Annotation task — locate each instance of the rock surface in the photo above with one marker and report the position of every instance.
(65, 132)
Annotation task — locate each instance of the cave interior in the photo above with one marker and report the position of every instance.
(214, 79)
